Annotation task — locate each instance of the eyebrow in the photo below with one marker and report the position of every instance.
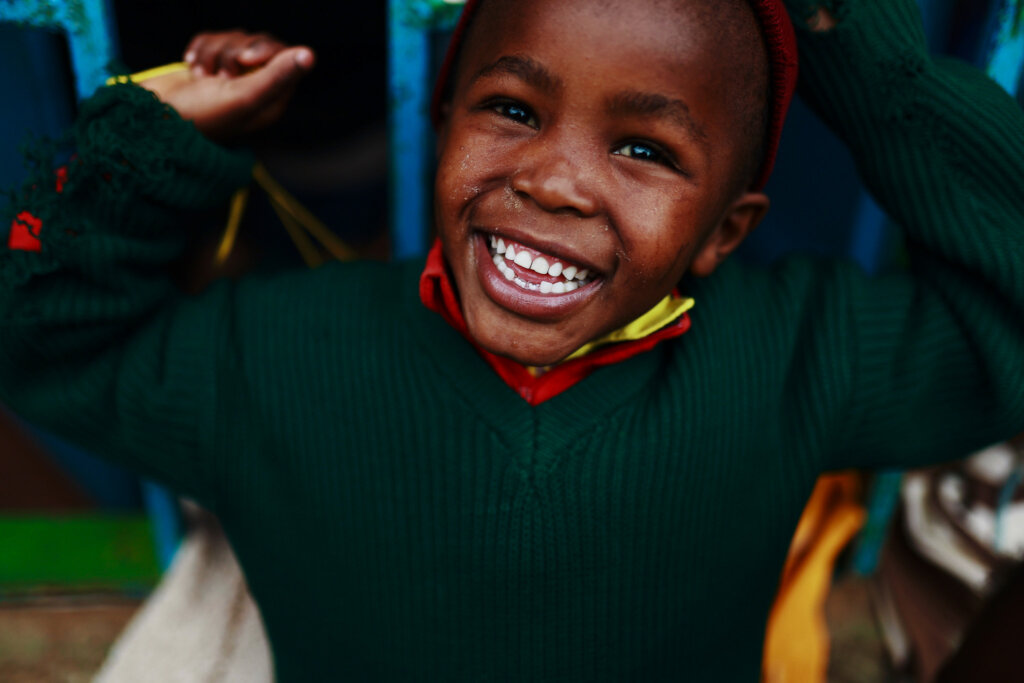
(524, 68)
(651, 105)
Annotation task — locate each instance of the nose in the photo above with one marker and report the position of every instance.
(550, 177)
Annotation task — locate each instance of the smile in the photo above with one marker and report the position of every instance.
(533, 283)
(534, 271)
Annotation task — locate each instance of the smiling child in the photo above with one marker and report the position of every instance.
(401, 512)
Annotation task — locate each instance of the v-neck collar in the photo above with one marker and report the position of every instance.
(437, 293)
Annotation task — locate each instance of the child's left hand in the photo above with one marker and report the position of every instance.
(238, 83)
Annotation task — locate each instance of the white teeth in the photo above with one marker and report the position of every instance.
(574, 276)
(523, 259)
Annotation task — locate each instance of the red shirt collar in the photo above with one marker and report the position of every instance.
(438, 294)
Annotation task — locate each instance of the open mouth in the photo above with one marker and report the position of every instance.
(534, 271)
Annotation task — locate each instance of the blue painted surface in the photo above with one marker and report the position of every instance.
(38, 92)
(88, 25)
(1005, 52)
(409, 93)
(413, 26)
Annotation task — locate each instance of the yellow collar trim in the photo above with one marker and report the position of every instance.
(664, 313)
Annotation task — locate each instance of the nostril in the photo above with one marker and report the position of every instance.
(513, 198)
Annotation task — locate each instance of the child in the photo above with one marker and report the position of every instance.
(400, 513)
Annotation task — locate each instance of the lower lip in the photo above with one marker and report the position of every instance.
(546, 307)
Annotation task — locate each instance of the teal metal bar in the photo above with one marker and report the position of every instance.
(88, 25)
(1005, 58)
(411, 24)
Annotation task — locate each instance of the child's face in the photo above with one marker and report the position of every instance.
(596, 136)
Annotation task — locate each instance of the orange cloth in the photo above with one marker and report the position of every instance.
(796, 645)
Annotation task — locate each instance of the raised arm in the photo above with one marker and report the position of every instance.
(939, 352)
(95, 343)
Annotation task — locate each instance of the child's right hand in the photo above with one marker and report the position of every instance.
(237, 83)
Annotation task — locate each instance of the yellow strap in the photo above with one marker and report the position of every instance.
(303, 217)
(664, 313)
(227, 242)
(149, 73)
(297, 219)
(307, 250)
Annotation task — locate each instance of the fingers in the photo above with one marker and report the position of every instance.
(259, 50)
(230, 53)
(257, 99)
(205, 50)
(276, 79)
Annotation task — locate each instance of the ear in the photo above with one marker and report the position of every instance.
(739, 221)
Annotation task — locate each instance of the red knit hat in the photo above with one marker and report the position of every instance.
(778, 35)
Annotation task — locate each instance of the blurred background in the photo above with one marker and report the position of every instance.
(82, 543)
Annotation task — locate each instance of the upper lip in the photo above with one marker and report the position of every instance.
(547, 246)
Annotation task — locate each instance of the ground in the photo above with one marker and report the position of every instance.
(59, 640)
(65, 641)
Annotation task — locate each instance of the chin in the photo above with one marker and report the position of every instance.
(535, 352)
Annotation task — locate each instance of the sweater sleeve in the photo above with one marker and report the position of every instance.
(95, 343)
(938, 352)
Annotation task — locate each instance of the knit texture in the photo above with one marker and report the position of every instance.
(403, 515)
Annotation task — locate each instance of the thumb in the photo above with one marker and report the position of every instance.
(275, 79)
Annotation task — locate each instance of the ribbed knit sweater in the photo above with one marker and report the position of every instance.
(403, 515)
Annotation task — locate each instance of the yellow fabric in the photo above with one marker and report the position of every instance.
(664, 313)
(796, 646)
(148, 73)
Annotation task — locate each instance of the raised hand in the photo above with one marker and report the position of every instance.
(238, 83)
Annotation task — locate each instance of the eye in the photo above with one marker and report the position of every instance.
(516, 112)
(644, 151)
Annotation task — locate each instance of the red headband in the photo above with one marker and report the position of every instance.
(782, 57)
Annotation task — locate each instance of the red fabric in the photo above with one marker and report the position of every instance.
(25, 233)
(62, 177)
(438, 294)
(25, 228)
(780, 39)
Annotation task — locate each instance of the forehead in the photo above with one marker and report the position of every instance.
(664, 38)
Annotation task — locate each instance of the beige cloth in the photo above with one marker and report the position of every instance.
(199, 625)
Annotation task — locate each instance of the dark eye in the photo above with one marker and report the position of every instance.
(517, 112)
(644, 152)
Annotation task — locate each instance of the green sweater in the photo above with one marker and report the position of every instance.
(402, 515)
